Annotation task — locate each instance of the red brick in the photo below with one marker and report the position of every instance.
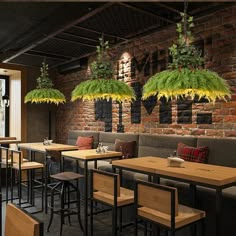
(230, 119)
(230, 133)
(215, 133)
(168, 131)
(198, 132)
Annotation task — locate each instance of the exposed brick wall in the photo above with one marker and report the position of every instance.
(218, 34)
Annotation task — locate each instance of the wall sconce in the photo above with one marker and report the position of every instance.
(5, 100)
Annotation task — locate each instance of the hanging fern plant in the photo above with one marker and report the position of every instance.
(102, 85)
(185, 76)
(44, 92)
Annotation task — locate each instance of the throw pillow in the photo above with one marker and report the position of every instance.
(194, 154)
(127, 148)
(84, 142)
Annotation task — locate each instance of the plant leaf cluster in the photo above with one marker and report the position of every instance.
(187, 83)
(184, 54)
(102, 68)
(45, 95)
(103, 89)
(43, 80)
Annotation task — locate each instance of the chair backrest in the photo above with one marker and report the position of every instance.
(4, 153)
(17, 156)
(157, 197)
(20, 223)
(105, 182)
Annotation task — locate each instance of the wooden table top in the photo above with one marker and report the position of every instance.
(198, 172)
(9, 141)
(90, 154)
(40, 147)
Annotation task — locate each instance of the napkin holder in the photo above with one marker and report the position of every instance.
(175, 162)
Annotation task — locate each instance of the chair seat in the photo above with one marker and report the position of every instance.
(126, 197)
(186, 215)
(28, 165)
(66, 176)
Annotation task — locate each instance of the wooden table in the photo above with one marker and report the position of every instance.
(32, 148)
(86, 156)
(211, 176)
(9, 141)
(40, 147)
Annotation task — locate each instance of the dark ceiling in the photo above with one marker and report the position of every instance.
(65, 33)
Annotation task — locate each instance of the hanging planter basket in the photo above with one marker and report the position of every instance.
(102, 85)
(186, 83)
(45, 93)
(45, 96)
(185, 77)
(103, 89)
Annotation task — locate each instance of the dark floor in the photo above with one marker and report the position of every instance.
(102, 224)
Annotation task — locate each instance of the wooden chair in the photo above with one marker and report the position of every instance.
(105, 188)
(23, 166)
(158, 204)
(20, 223)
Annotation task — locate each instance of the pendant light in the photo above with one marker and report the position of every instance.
(45, 93)
(102, 84)
(185, 78)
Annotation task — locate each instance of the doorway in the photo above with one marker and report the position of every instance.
(4, 106)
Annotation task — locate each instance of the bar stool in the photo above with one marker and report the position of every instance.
(105, 188)
(158, 204)
(63, 188)
(21, 165)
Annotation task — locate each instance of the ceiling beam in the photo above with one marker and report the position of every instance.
(145, 12)
(169, 8)
(99, 32)
(137, 33)
(74, 41)
(48, 55)
(77, 21)
(78, 36)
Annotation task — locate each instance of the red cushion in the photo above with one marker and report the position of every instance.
(84, 142)
(127, 148)
(194, 154)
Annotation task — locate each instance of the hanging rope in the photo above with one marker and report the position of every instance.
(185, 21)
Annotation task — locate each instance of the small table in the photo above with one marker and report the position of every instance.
(86, 156)
(41, 148)
(211, 176)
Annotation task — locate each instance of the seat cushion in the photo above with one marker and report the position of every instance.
(84, 142)
(194, 154)
(126, 147)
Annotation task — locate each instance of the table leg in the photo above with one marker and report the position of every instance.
(46, 183)
(85, 198)
(156, 179)
(218, 212)
(192, 193)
